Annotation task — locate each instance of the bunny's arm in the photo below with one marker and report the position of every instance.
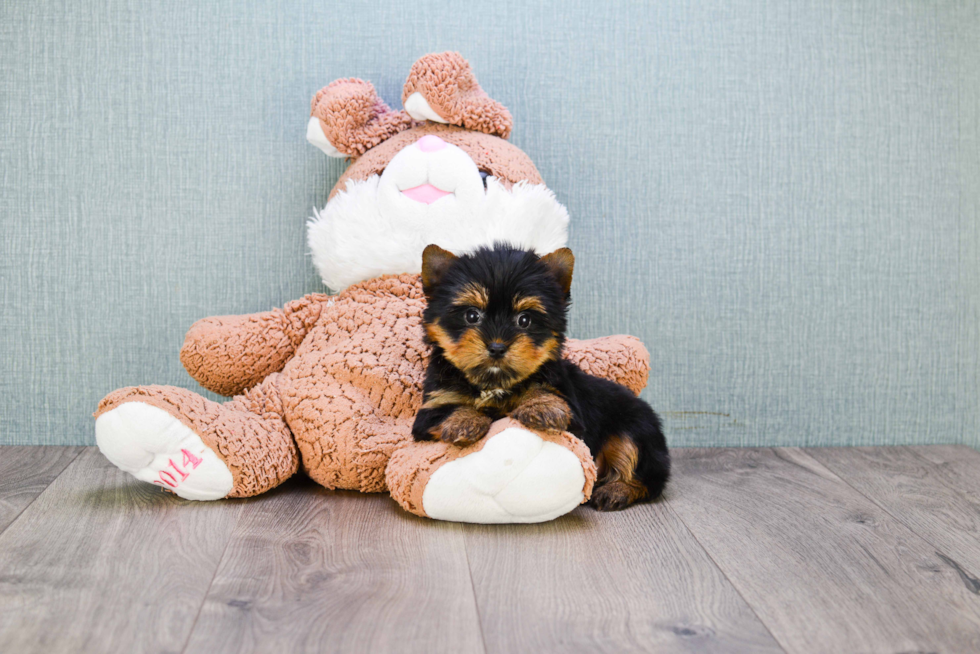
(229, 354)
(622, 359)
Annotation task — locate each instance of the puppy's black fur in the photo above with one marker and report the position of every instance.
(496, 320)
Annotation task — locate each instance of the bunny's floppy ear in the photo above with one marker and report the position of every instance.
(442, 88)
(348, 119)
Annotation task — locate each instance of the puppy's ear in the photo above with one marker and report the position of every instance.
(560, 263)
(435, 263)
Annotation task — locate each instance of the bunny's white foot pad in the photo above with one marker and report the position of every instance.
(153, 446)
(516, 477)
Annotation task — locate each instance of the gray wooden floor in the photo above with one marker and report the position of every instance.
(817, 550)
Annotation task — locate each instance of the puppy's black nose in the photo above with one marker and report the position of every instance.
(497, 350)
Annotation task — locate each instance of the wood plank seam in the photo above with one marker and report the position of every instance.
(127, 538)
(207, 593)
(53, 479)
(314, 569)
(811, 553)
(476, 599)
(969, 577)
(724, 574)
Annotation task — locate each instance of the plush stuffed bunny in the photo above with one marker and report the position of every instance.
(332, 383)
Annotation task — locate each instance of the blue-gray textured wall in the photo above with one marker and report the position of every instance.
(781, 198)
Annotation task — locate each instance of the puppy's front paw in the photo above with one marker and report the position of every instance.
(543, 411)
(464, 427)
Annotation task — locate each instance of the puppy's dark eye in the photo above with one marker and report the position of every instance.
(472, 316)
(483, 175)
(523, 320)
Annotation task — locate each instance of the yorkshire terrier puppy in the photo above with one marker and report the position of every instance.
(496, 320)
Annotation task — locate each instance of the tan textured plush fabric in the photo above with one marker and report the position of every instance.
(353, 118)
(228, 354)
(622, 359)
(354, 386)
(412, 466)
(506, 162)
(248, 433)
(448, 84)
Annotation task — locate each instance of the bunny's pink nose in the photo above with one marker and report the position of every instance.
(431, 143)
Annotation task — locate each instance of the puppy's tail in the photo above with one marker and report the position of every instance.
(657, 474)
(653, 466)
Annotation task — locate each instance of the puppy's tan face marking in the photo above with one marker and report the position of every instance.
(469, 354)
(472, 295)
(524, 357)
(528, 303)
